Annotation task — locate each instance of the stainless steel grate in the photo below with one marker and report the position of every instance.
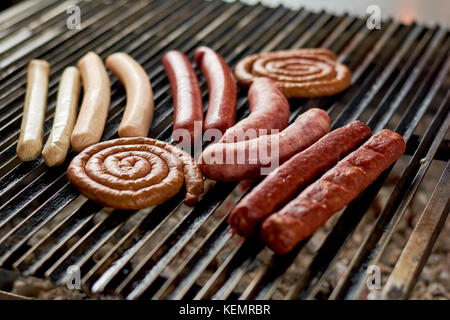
(400, 79)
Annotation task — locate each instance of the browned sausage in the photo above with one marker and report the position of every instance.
(134, 173)
(187, 98)
(332, 192)
(269, 110)
(221, 113)
(300, 73)
(282, 184)
(245, 159)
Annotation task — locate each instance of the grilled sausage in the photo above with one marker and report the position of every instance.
(300, 73)
(138, 114)
(332, 192)
(282, 184)
(244, 68)
(221, 113)
(244, 159)
(193, 177)
(269, 110)
(94, 108)
(58, 143)
(30, 139)
(187, 98)
(134, 173)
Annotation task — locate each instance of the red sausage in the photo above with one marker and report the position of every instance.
(236, 161)
(282, 184)
(221, 112)
(302, 216)
(187, 97)
(269, 110)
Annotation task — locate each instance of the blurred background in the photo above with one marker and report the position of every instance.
(423, 11)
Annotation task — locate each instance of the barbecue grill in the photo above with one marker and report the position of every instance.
(400, 81)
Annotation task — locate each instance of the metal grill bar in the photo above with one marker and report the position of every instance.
(137, 254)
(413, 258)
(375, 244)
(11, 24)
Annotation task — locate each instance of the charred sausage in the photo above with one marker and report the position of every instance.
(332, 192)
(282, 184)
(245, 159)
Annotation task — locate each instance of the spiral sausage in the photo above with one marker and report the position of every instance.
(134, 173)
(301, 73)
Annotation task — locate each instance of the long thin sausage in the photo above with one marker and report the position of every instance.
(187, 98)
(332, 192)
(138, 114)
(30, 139)
(269, 110)
(221, 113)
(94, 108)
(245, 159)
(282, 184)
(58, 143)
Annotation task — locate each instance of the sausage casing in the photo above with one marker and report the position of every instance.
(221, 113)
(332, 192)
(187, 98)
(269, 110)
(30, 139)
(220, 161)
(282, 183)
(134, 173)
(94, 108)
(58, 142)
(138, 114)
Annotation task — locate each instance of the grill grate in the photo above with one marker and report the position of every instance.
(400, 79)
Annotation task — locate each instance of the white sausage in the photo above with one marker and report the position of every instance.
(138, 114)
(58, 143)
(30, 139)
(94, 108)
